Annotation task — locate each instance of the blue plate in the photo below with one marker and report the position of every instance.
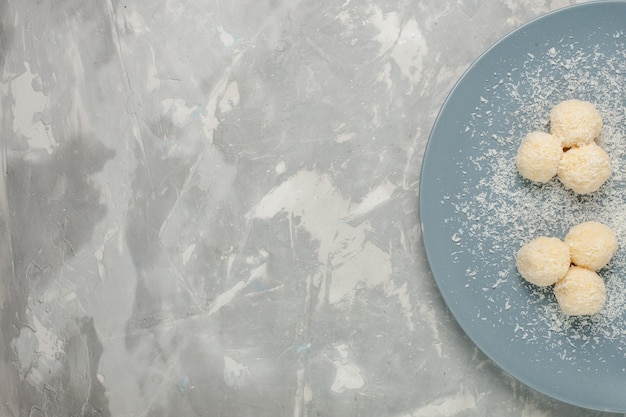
(476, 211)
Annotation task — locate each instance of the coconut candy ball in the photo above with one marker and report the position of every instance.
(575, 122)
(543, 261)
(538, 156)
(591, 245)
(580, 292)
(584, 169)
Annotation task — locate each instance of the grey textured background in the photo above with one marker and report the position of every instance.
(209, 208)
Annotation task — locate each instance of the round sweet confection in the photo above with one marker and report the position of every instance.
(538, 156)
(543, 261)
(580, 292)
(591, 245)
(575, 122)
(584, 169)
